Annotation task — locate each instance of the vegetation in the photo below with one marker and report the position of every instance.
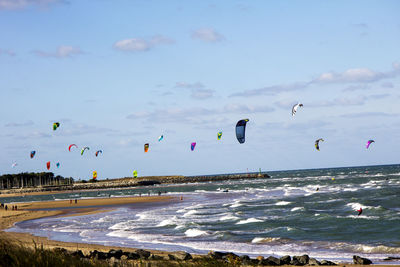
(17, 255)
(31, 179)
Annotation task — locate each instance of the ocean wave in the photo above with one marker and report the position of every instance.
(265, 239)
(297, 208)
(167, 222)
(195, 232)
(228, 217)
(249, 220)
(283, 203)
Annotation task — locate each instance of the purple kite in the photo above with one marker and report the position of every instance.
(192, 146)
(369, 143)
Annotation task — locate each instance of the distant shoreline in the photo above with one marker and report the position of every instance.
(128, 182)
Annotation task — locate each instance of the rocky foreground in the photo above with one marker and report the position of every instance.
(140, 257)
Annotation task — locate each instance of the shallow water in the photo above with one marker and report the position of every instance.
(293, 212)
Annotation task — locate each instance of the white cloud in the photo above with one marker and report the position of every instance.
(140, 45)
(62, 51)
(362, 76)
(207, 35)
(21, 4)
(202, 93)
(7, 52)
(240, 108)
(16, 124)
(196, 85)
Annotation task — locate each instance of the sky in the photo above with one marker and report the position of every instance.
(118, 74)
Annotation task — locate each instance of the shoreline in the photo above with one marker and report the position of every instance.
(36, 210)
(63, 208)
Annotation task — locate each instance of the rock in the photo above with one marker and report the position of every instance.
(143, 254)
(295, 262)
(101, 255)
(124, 258)
(260, 258)
(217, 255)
(359, 260)
(78, 253)
(247, 261)
(300, 260)
(231, 258)
(327, 263)
(272, 261)
(313, 262)
(133, 256)
(285, 260)
(156, 257)
(115, 253)
(180, 255)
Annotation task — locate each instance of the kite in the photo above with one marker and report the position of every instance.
(94, 175)
(317, 143)
(219, 135)
(33, 154)
(56, 125)
(97, 152)
(295, 107)
(58, 164)
(70, 146)
(83, 150)
(146, 147)
(135, 174)
(240, 130)
(14, 165)
(369, 143)
(161, 137)
(48, 165)
(192, 146)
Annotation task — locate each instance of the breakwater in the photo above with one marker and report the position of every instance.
(134, 182)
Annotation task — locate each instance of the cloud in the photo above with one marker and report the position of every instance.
(202, 93)
(239, 108)
(387, 85)
(7, 52)
(141, 45)
(16, 124)
(341, 101)
(198, 90)
(272, 90)
(21, 4)
(207, 35)
(362, 76)
(197, 85)
(61, 52)
(192, 114)
(368, 115)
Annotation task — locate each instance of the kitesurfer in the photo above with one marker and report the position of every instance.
(360, 211)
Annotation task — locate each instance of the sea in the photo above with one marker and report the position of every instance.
(293, 212)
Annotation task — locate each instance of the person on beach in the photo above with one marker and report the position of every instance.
(15, 207)
(76, 201)
(6, 208)
(70, 201)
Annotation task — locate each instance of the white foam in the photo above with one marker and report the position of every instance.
(189, 213)
(229, 218)
(167, 222)
(297, 208)
(282, 203)
(250, 220)
(194, 232)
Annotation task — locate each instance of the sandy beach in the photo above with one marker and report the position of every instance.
(28, 211)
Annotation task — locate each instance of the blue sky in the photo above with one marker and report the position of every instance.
(117, 74)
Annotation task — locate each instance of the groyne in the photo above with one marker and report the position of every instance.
(134, 182)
